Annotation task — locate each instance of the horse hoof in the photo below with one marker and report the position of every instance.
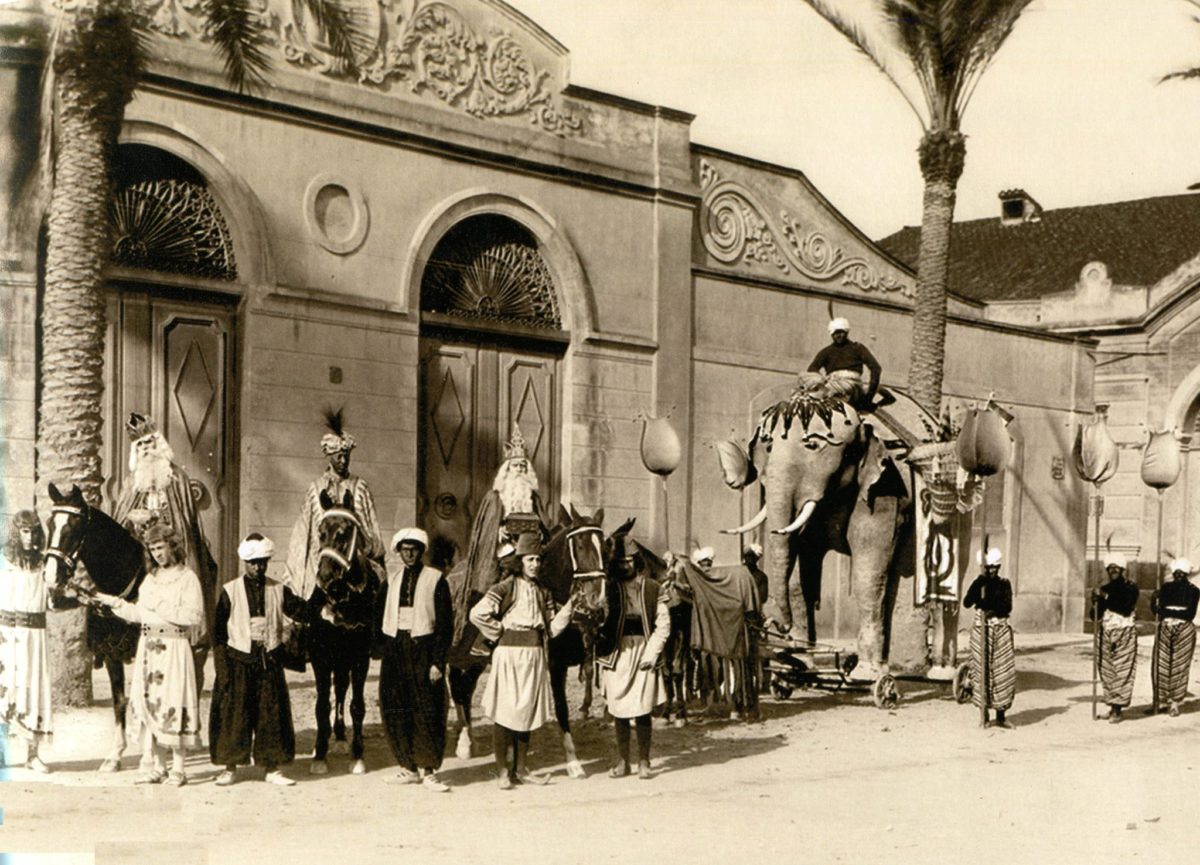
(359, 768)
(340, 746)
(318, 767)
(110, 764)
(575, 769)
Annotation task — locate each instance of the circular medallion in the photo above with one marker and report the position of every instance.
(335, 213)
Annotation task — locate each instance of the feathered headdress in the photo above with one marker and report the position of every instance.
(337, 439)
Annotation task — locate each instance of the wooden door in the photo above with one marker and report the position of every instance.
(472, 395)
(173, 360)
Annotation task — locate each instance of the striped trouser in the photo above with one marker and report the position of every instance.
(1001, 667)
(1173, 652)
(1118, 664)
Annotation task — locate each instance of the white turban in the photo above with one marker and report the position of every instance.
(756, 549)
(412, 535)
(839, 324)
(993, 557)
(702, 553)
(1115, 560)
(252, 549)
(1181, 565)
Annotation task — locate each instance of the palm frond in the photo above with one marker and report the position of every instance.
(1184, 74)
(857, 37)
(342, 25)
(237, 32)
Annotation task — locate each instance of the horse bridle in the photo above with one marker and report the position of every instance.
(68, 560)
(346, 561)
(595, 532)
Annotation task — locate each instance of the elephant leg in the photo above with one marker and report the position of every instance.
(872, 538)
(806, 580)
(780, 559)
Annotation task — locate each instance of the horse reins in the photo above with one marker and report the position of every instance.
(67, 559)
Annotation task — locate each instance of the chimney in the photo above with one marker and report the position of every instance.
(1017, 207)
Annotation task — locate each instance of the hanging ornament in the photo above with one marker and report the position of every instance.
(661, 449)
(984, 446)
(1096, 454)
(1162, 460)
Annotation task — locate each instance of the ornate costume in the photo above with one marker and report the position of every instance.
(1175, 604)
(305, 544)
(25, 698)
(251, 715)
(159, 493)
(991, 595)
(1116, 602)
(416, 623)
(843, 361)
(163, 692)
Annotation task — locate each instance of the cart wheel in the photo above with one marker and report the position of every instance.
(780, 690)
(962, 685)
(885, 693)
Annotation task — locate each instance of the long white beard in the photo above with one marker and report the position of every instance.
(152, 472)
(516, 493)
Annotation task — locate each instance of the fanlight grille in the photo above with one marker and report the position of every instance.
(171, 226)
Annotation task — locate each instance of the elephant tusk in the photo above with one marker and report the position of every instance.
(801, 518)
(758, 520)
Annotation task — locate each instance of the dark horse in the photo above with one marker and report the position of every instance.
(340, 619)
(574, 562)
(115, 562)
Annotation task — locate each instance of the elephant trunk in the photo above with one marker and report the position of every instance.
(759, 519)
(801, 518)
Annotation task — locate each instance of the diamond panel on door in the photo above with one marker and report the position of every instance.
(447, 478)
(527, 400)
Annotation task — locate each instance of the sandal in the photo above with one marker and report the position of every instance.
(176, 779)
(154, 776)
(621, 770)
(531, 778)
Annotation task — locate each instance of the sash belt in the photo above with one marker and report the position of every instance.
(633, 628)
(163, 631)
(522, 637)
(17, 619)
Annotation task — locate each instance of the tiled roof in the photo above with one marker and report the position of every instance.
(1140, 242)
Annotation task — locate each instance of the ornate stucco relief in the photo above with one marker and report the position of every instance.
(735, 227)
(431, 48)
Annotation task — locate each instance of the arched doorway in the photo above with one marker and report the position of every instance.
(492, 344)
(172, 332)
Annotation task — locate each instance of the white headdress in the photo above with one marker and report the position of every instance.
(838, 324)
(255, 547)
(412, 535)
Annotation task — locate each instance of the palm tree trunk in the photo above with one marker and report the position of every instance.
(942, 155)
(92, 88)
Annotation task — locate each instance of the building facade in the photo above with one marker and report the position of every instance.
(458, 241)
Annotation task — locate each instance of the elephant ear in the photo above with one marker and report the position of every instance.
(875, 462)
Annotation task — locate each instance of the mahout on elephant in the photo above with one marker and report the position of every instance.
(832, 480)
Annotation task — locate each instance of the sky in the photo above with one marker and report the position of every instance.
(1071, 110)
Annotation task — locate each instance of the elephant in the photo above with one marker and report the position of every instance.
(830, 483)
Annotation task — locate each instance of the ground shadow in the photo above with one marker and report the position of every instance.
(1037, 680)
(1030, 717)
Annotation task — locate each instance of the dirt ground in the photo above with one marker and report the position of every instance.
(823, 778)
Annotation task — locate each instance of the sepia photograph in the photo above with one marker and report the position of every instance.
(645, 431)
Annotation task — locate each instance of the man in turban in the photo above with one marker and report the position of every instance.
(1175, 642)
(159, 493)
(1115, 603)
(336, 481)
(251, 713)
(843, 361)
(415, 626)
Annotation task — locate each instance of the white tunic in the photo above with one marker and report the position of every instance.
(517, 694)
(24, 668)
(163, 693)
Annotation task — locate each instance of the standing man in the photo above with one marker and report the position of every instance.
(336, 481)
(518, 617)
(416, 625)
(251, 713)
(159, 493)
(993, 658)
(1115, 603)
(844, 360)
(629, 651)
(1175, 604)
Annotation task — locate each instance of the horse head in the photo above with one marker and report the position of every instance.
(575, 562)
(69, 519)
(342, 567)
(112, 557)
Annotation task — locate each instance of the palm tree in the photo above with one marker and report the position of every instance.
(96, 51)
(946, 46)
